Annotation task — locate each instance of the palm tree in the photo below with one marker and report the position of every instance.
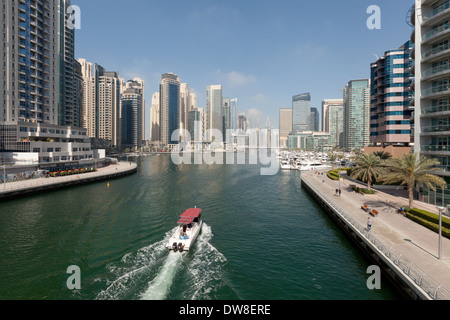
(369, 168)
(410, 170)
(383, 155)
(333, 157)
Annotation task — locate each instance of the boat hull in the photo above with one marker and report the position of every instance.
(186, 244)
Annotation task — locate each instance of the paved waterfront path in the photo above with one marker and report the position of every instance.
(416, 242)
(26, 185)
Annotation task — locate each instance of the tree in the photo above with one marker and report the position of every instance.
(383, 155)
(410, 170)
(369, 168)
(333, 157)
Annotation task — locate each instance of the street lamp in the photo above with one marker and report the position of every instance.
(441, 209)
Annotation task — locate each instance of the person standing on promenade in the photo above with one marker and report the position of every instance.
(369, 224)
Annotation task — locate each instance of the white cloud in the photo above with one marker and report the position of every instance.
(235, 79)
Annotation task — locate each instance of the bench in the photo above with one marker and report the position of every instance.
(365, 207)
(374, 213)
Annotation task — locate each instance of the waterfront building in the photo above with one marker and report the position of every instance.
(132, 103)
(214, 104)
(88, 112)
(432, 90)
(45, 144)
(155, 119)
(301, 112)
(169, 107)
(391, 97)
(37, 63)
(314, 120)
(285, 126)
(188, 100)
(138, 86)
(242, 122)
(356, 114)
(108, 98)
(333, 120)
(309, 141)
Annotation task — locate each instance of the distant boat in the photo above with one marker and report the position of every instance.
(285, 165)
(189, 227)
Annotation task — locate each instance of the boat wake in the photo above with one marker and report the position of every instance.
(153, 273)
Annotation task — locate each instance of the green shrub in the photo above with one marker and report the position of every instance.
(430, 217)
(428, 224)
(334, 174)
(365, 191)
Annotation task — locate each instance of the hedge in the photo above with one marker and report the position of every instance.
(430, 217)
(334, 174)
(366, 191)
(428, 224)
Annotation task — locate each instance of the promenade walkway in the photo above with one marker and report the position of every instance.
(417, 244)
(26, 186)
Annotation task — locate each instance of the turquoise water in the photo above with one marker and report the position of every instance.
(263, 238)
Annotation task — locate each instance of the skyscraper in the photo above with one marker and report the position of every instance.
(356, 114)
(88, 99)
(132, 103)
(285, 126)
(301, 112)
(333, 120)
(108, 95)
(432, 90)
(391, 95)
(169, 107)
(314, 120)
(214, 103)
(37, 63)
(155, 118)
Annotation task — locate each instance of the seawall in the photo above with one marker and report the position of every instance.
(389, 253)
(25, 188)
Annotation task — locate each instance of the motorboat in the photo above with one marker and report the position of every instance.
(189, 227)
(285, 165)
(313, 166)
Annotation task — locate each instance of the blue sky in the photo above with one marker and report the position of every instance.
(263, 52)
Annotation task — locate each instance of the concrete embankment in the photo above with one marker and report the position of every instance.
(403, 250)
(24, 188)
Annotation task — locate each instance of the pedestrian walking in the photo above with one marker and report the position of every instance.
(369, 224)
(340, 192)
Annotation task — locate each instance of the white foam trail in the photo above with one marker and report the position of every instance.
(206, 268)
(144, 260)
(159, 287)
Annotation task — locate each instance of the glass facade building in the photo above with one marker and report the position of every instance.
(356, 114)
(169, 107)
(391, 98)
(37, 63)
(431, 37)
(301, 112)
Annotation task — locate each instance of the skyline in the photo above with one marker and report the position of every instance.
(262, 55)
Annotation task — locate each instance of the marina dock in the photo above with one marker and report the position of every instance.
(23, 188)
(405, 251)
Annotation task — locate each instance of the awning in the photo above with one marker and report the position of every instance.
(189, 216)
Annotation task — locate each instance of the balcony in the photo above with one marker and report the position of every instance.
(438, 130)
(436, 34)
(436, 148)
(435, 92)
(437, 13)
(434, 73)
